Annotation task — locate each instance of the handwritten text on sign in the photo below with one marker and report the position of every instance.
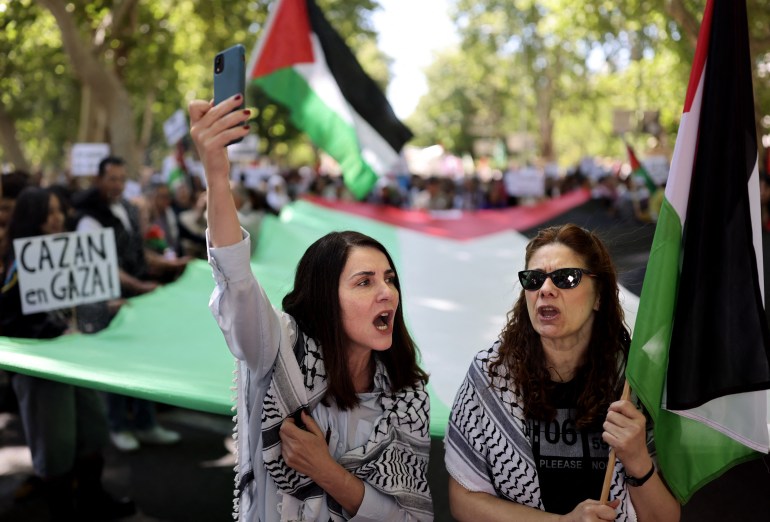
(62, 270)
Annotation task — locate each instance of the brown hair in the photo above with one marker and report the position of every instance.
(600, 376)
(315, 305)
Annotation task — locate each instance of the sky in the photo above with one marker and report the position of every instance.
(409, 32)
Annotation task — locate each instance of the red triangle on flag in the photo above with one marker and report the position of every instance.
(632, 158)
(287, 39)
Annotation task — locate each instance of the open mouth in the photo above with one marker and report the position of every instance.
(547, 312)
(382, 322)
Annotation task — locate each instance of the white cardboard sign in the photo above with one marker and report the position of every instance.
(63, 270)
(526, 182)
(86, 157)
(175, 128)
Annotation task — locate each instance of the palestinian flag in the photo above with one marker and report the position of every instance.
(638, 170)
(700, 353)
(302, 63)
(166, 346)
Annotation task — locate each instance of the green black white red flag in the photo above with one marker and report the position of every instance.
(700, 356)
(637, 169)
(302, 63)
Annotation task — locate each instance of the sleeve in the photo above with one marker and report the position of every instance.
(252, 328)
(464, 456)
(378, 507)
(88, 224)
(13, 322)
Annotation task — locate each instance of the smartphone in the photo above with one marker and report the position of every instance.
(230, 75)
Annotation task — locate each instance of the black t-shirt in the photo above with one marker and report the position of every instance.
(570, 463)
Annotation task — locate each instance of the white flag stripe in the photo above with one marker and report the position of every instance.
(742, 417)
(322, 83)
(377, 152)
(680, 172)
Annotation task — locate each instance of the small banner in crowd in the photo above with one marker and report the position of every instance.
(63, 270)
(85, 158)
(175, 128)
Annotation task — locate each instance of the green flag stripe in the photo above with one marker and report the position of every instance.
(648, 358)
(325, 126)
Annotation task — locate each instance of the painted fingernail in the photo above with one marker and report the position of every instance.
(251, 112)
(238, 96)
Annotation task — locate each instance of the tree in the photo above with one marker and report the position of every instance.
(561, 67)
(116, 70)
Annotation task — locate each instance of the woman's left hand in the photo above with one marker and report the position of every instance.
(304, 450)
(625, 431)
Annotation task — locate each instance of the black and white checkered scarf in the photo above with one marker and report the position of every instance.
(395, 458)
(487, 446)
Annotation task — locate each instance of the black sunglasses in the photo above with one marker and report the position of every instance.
(564, 278)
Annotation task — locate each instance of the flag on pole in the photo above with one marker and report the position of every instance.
(302, 63)
(637, 169)
(699, 358)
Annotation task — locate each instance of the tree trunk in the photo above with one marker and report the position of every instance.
(106, 90)
(10, 144)
(544, 95)
(687, 22)
(147, 120)
(93, 118)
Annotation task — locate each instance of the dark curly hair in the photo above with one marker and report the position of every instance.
(315, 305)
(600, 377)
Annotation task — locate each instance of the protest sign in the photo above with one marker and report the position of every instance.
(63, 270)
(86, 157)
(528, 182)
(175, 128)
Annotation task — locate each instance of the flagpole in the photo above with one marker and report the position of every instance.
(611, 460)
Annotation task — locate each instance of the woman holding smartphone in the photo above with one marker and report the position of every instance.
(332, 413)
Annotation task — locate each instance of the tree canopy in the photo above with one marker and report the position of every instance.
(548, 77)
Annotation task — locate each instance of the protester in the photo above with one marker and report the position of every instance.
(531, 426)
(131, 420)
(65, 425)
(11, 185)
(332, 411)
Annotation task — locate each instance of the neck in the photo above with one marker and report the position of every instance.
(563, 361)
(361, 369)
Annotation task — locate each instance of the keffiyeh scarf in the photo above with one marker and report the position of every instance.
(394, 460)
(487, 448)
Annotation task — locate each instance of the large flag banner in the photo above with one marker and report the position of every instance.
(165, 346)
(700, 358)
(302, 63)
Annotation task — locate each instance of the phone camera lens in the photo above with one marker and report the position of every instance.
(219, 63)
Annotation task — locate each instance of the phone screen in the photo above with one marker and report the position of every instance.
(230, 75)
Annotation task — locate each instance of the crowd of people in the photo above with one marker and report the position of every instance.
(67, 427)
(332, 410)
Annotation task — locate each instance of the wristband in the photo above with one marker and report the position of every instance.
(636, 482)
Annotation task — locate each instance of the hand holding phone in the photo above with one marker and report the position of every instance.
(230, 76)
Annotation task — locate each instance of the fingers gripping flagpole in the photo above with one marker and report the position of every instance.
(604, 499)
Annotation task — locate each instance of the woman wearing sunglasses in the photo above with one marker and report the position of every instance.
(533, 422)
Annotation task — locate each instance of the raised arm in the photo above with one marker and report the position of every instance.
(251, 326)
(212, 128)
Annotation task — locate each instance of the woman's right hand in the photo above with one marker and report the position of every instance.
(212, 127)
(592, 511)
